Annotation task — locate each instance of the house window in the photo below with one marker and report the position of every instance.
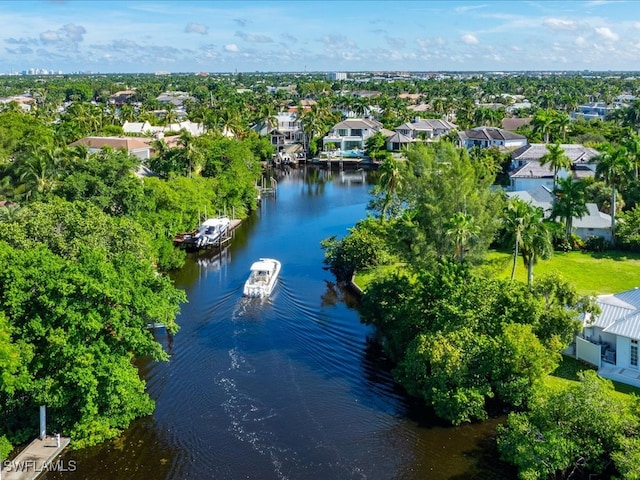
(633, 360)
(343, 132)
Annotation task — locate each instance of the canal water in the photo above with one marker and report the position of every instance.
(291, 387)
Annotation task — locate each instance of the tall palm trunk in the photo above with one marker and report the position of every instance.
(515, 259)
(613, 213)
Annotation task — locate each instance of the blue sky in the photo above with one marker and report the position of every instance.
(338, 35)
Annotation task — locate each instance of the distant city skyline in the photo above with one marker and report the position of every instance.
(247, 36)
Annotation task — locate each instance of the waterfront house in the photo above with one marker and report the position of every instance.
(610, 339)
(426, 129)
(283, 130)
(487, 137)
(351, 134)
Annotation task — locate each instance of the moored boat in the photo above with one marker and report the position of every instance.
(209, 232)
(263, 278)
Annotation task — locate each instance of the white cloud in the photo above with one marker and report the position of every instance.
(231, 47)
(467, 8)
(606, 34)
(469, 39)
(580, 42)
(559, 24)
(50, 36)
(636, 25)
(196, 28)
(249, 37)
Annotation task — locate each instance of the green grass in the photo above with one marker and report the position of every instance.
(364, 277)
(567, 373)
(590, 273)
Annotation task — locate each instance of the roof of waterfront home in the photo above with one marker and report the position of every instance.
(128, 143)
(358, 123)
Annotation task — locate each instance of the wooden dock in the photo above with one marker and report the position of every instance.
(36, 459)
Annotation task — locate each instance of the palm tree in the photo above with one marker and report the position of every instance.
(191, 152)
(536, 242)
(612, 165)
(556, 159)
(461, 229)
(542, 122)
(633, 149)
(516, 215)
(37, 175)
(569, 203)
(560, 124)
(390, 181)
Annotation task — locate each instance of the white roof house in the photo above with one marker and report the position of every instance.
(146, 128)
(610, 339)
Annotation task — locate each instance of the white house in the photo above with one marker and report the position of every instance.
(286, 130)
(610, 339)
(528, 174)
(487, 137)
(146, 128)
(352, 133)
(425, 128)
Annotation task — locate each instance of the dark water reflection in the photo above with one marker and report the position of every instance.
(289, 387)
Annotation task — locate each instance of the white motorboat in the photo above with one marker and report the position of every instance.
(210, 232)
(263, 277)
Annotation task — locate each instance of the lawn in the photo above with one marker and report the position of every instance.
(591, 273)
(567, 372)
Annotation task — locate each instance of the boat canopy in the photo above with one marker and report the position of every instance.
(262, 266)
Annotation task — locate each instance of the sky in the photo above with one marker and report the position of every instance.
(119, 36)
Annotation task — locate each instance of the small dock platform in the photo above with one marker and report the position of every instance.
(36, 459)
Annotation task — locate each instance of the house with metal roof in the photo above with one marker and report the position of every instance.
(610, 339)
(486, 137)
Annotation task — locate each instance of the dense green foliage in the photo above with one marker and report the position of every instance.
(77, 291)
(84, 242)
(460, 340)
(581, 430)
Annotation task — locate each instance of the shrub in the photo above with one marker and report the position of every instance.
(596, 244)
